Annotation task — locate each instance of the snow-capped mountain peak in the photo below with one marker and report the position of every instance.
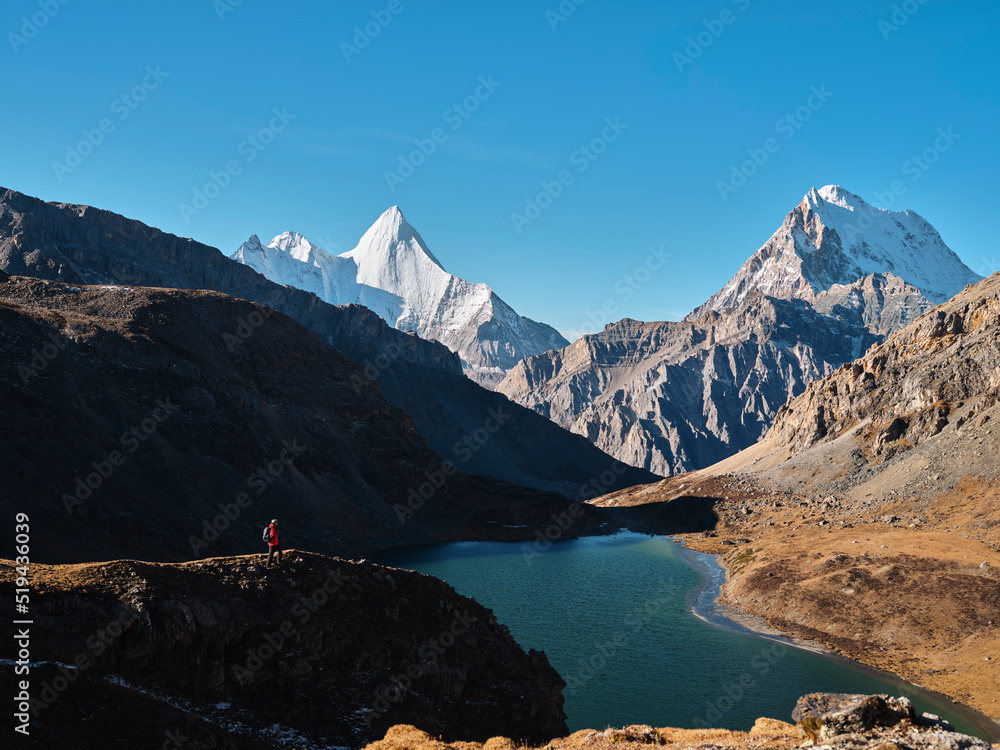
(253, 242)
(836, 195)
(290, 259)
(392, 272)
(298, 247)
(391, 240)
(834, 237)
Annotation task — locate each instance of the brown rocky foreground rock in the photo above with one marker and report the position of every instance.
(319, 652)
(847, 722)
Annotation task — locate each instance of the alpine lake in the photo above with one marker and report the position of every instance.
(629, 622)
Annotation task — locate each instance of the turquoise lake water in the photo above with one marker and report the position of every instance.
(614, 616)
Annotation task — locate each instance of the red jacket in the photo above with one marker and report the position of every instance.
(274, 536)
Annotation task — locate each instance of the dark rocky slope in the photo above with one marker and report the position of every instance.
(83, 245)
(322, 652)
(167, 424)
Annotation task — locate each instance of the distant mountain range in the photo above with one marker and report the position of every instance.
(393, 273)
(479, 431)
(836, 277)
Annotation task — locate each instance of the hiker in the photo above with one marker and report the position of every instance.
(273, 545)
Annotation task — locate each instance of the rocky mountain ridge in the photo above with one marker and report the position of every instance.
(868, 517)
(909, 387)
(834, 238)
(822, 720)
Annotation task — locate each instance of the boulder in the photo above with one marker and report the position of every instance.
(875, 722)
(826, 715)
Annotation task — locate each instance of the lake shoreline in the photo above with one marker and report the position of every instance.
(706, 604)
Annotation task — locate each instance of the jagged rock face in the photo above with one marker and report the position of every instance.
(175, 424)
(904, 389)
(833, 238)
(672, 397)
(83, 245)
(882, 303)
(333, 650)
(394, 273)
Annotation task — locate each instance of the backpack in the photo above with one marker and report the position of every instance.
(267, 535)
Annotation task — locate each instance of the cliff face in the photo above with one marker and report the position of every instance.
(671, 397)
(172, 424)
(83, 245)
(321, 652)
(910, 387)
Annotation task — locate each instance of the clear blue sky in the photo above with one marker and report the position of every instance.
(350, 121)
